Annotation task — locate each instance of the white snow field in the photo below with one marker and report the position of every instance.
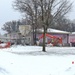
(30, 60)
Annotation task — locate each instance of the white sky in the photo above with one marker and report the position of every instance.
(7, 13)
(72, 13)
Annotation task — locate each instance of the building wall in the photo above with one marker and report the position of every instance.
(71, 38)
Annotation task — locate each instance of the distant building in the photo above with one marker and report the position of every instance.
(25, 35)
(13, 37)
(63, 34)
(25, 31)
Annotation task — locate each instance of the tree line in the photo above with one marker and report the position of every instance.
(64, 24)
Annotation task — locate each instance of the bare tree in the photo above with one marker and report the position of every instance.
(11, 26)
(7, 27)
(43, 12)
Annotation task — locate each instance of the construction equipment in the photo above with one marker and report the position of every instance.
(55, 40)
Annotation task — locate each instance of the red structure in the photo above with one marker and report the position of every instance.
(5, 45)
(54, 39)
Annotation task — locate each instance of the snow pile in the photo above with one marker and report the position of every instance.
(3, 44)
(37, 50)
(13, 63)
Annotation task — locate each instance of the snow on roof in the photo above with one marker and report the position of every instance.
(50, 30)
(73, 32)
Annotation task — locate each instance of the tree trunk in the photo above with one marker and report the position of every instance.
(35, 37)
(33, 34)
(44, 49)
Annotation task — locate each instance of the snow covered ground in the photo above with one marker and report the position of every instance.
(30, 60)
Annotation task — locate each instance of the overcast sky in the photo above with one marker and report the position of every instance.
(7, 13)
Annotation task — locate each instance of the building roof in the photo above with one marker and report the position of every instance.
(50, 30)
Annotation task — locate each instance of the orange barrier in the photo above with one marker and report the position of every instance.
(5, 45)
